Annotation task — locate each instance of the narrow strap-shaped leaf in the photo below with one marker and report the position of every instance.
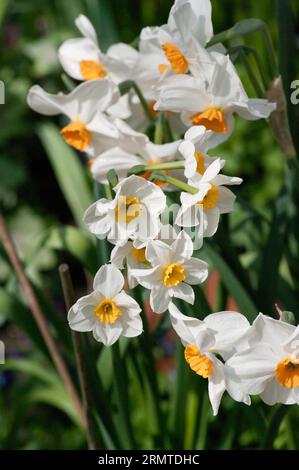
(69, 171)
(232, 282)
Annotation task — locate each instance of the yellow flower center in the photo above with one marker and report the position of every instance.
(199, 363)
(211, 198)
(91, 70)
(139, 254)
(177, 60)
(287, 373)
(211, 118)
(173, 275)
(127, 209)
(163, 68)
(107, 311)
(77, 135)
(200, 162)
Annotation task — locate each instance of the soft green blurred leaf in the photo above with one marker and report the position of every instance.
(69, 171)
(12, 309)
(69, 239)
(231, 282)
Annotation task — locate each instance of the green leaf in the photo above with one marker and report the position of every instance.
(276, 243)
(231, 282)
(15, 311)
(48, 388)
(3, 8)
(71, 240)
(103, 18)
(242, 28)
(69, 172)
(288, 57)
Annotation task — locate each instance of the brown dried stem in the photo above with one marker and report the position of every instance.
(40, 319)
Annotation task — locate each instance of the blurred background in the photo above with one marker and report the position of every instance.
(34, 411)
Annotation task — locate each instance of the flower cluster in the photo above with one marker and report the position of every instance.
(174, 84)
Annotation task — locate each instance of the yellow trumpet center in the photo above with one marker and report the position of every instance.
(128, 209)
(211, 198)
(91, 70)
(200, 162)
(163, 68)
(173, 275)
(139, 254)
(177, 60)
(287, 373)
(77, 135)
(199, 363)
(107, 311)
(212, 118)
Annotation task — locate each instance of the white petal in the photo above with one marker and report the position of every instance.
(254, 367)
(148, 277)
(254, 109)
(96, 217)
(127, 304)
(268, 330)
(107, 333)
(183, 291)
(211, 222)
(275, 393)
(158, 253)
(114, 158)
(216, 385)
(231, 328)
(196, 271)
(226, 200)
(182, 248)
(159, 299)
(187, 328)
(73, 51)
(109, 281)
(119, 254)
(133, 327)
(80, 316)
(86, 28)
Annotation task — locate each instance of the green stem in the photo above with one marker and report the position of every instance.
(255, 83)
(274, 425)
(121, 382)
(143, 103)
(166, 166)
(146, 343)
(175, 182)
(204, 421)
(158, 138)
(271, 52)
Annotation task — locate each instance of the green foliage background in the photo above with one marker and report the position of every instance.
(35, 412)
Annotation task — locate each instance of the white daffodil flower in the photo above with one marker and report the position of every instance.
(132, 254)
(197, 142)
(108, 311)
(210, 97)
(82, 58)
(173, 270)
(84, 107)
(269, 367)
(90, 129)
(203, 209)
(171, 46)
(218, 334)
(133, 213)
(121, 161)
